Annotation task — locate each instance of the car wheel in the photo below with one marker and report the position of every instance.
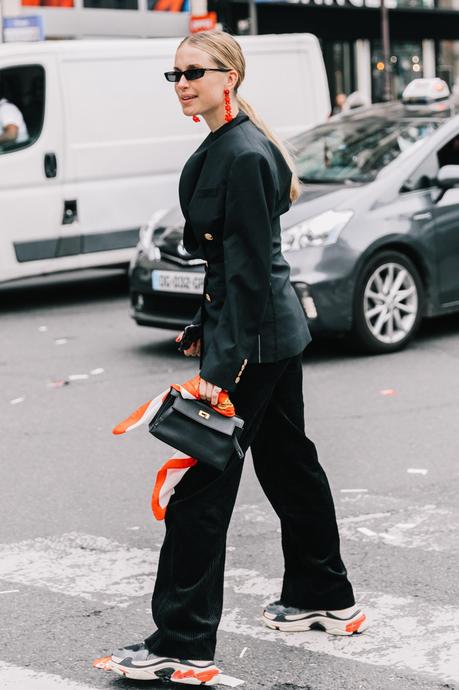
(388, 303)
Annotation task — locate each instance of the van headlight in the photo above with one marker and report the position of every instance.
(317, 231)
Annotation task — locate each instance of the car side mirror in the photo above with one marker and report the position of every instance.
(448, 176)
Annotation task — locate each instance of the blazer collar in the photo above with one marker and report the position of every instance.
(239, 119)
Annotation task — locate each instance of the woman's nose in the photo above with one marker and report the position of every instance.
(182, 81)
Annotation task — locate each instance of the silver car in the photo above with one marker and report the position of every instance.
(373, 241)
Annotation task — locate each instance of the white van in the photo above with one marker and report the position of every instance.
(107, 140)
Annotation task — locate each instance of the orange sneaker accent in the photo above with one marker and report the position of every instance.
(202, 676)
(103, 663)
(132, 419)
(355, 625)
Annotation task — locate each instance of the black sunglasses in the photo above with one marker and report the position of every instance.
(192, 74)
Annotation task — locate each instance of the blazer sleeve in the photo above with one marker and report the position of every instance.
(247, 249)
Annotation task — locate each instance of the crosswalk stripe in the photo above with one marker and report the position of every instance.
(16, 678)
(102, 570)
(396, 637)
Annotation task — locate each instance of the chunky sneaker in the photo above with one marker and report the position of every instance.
(137, 662)
(289, 619)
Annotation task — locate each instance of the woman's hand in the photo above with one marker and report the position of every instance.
(209, 392)
(195, 348)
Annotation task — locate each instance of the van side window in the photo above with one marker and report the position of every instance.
(22, 106)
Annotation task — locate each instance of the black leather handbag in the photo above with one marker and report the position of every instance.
(196, 429)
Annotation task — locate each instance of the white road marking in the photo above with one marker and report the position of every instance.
(397, 636)
(367, 532)
(354, 491)
(81, 565)
(101, 570)
(416, 470)
(16, 401)
(96, 372)
(15, 678)
(9, 591)
(427, 527)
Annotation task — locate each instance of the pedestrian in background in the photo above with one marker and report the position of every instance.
(252, 334)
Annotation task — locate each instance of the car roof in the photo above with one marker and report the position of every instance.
(395, 110)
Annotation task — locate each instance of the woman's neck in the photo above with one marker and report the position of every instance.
(215, 120)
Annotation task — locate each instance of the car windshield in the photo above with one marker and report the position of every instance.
(355, 150)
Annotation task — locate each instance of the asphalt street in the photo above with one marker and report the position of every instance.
(79, 545)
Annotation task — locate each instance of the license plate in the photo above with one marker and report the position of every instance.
(178, 281)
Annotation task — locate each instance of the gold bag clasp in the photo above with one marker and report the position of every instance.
(201, 413)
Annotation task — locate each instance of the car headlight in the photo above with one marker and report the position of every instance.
(317, 231)
(146, 231)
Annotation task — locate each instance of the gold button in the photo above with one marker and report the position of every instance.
(208, 236)
(245, 361)
(237, 379)
(208, 298)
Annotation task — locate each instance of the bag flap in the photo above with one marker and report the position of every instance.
(203, 414)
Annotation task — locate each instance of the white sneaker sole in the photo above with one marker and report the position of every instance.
(332, 626)
(181, 673)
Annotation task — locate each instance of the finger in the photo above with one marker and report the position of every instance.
(179, 337)
(215, 394)
(209, 387)
(202, 389)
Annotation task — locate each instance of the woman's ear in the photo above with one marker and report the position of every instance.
(231, 79)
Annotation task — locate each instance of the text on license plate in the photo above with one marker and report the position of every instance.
(178, 281)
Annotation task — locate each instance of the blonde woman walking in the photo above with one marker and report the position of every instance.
(250, 335)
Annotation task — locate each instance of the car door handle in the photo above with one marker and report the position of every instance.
(426, 215)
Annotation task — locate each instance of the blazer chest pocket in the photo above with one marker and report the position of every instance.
(207, 211)
(205, 192)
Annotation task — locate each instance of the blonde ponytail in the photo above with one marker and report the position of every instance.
(225, 51)
(256, 119)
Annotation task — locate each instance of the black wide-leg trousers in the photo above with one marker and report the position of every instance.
(188, 596)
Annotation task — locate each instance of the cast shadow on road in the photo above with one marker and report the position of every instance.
(64, 290)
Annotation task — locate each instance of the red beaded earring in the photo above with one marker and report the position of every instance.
(196, 118)
(228, 115)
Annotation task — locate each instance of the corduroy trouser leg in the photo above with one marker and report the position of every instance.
(188, 595)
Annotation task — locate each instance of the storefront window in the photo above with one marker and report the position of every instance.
(448, 62)
(404, 66)
(111, 4)
(339, 63)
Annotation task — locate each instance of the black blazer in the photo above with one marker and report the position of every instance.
(232, 191)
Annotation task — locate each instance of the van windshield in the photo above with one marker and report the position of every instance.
(355, 150)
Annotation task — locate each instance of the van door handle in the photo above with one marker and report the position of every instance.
(70, 212)
(426, 215)
(50, 165)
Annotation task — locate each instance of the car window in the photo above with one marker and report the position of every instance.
(449, 153)
(22, 104)
(424, 176)
(356, 150)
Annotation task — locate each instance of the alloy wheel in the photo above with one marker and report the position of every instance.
(391, 303)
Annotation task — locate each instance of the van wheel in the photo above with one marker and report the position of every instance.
(388, 303)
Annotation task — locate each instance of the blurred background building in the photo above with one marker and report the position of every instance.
(424, 34)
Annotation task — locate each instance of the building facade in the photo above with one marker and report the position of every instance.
(424, 34)
(424, 38)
